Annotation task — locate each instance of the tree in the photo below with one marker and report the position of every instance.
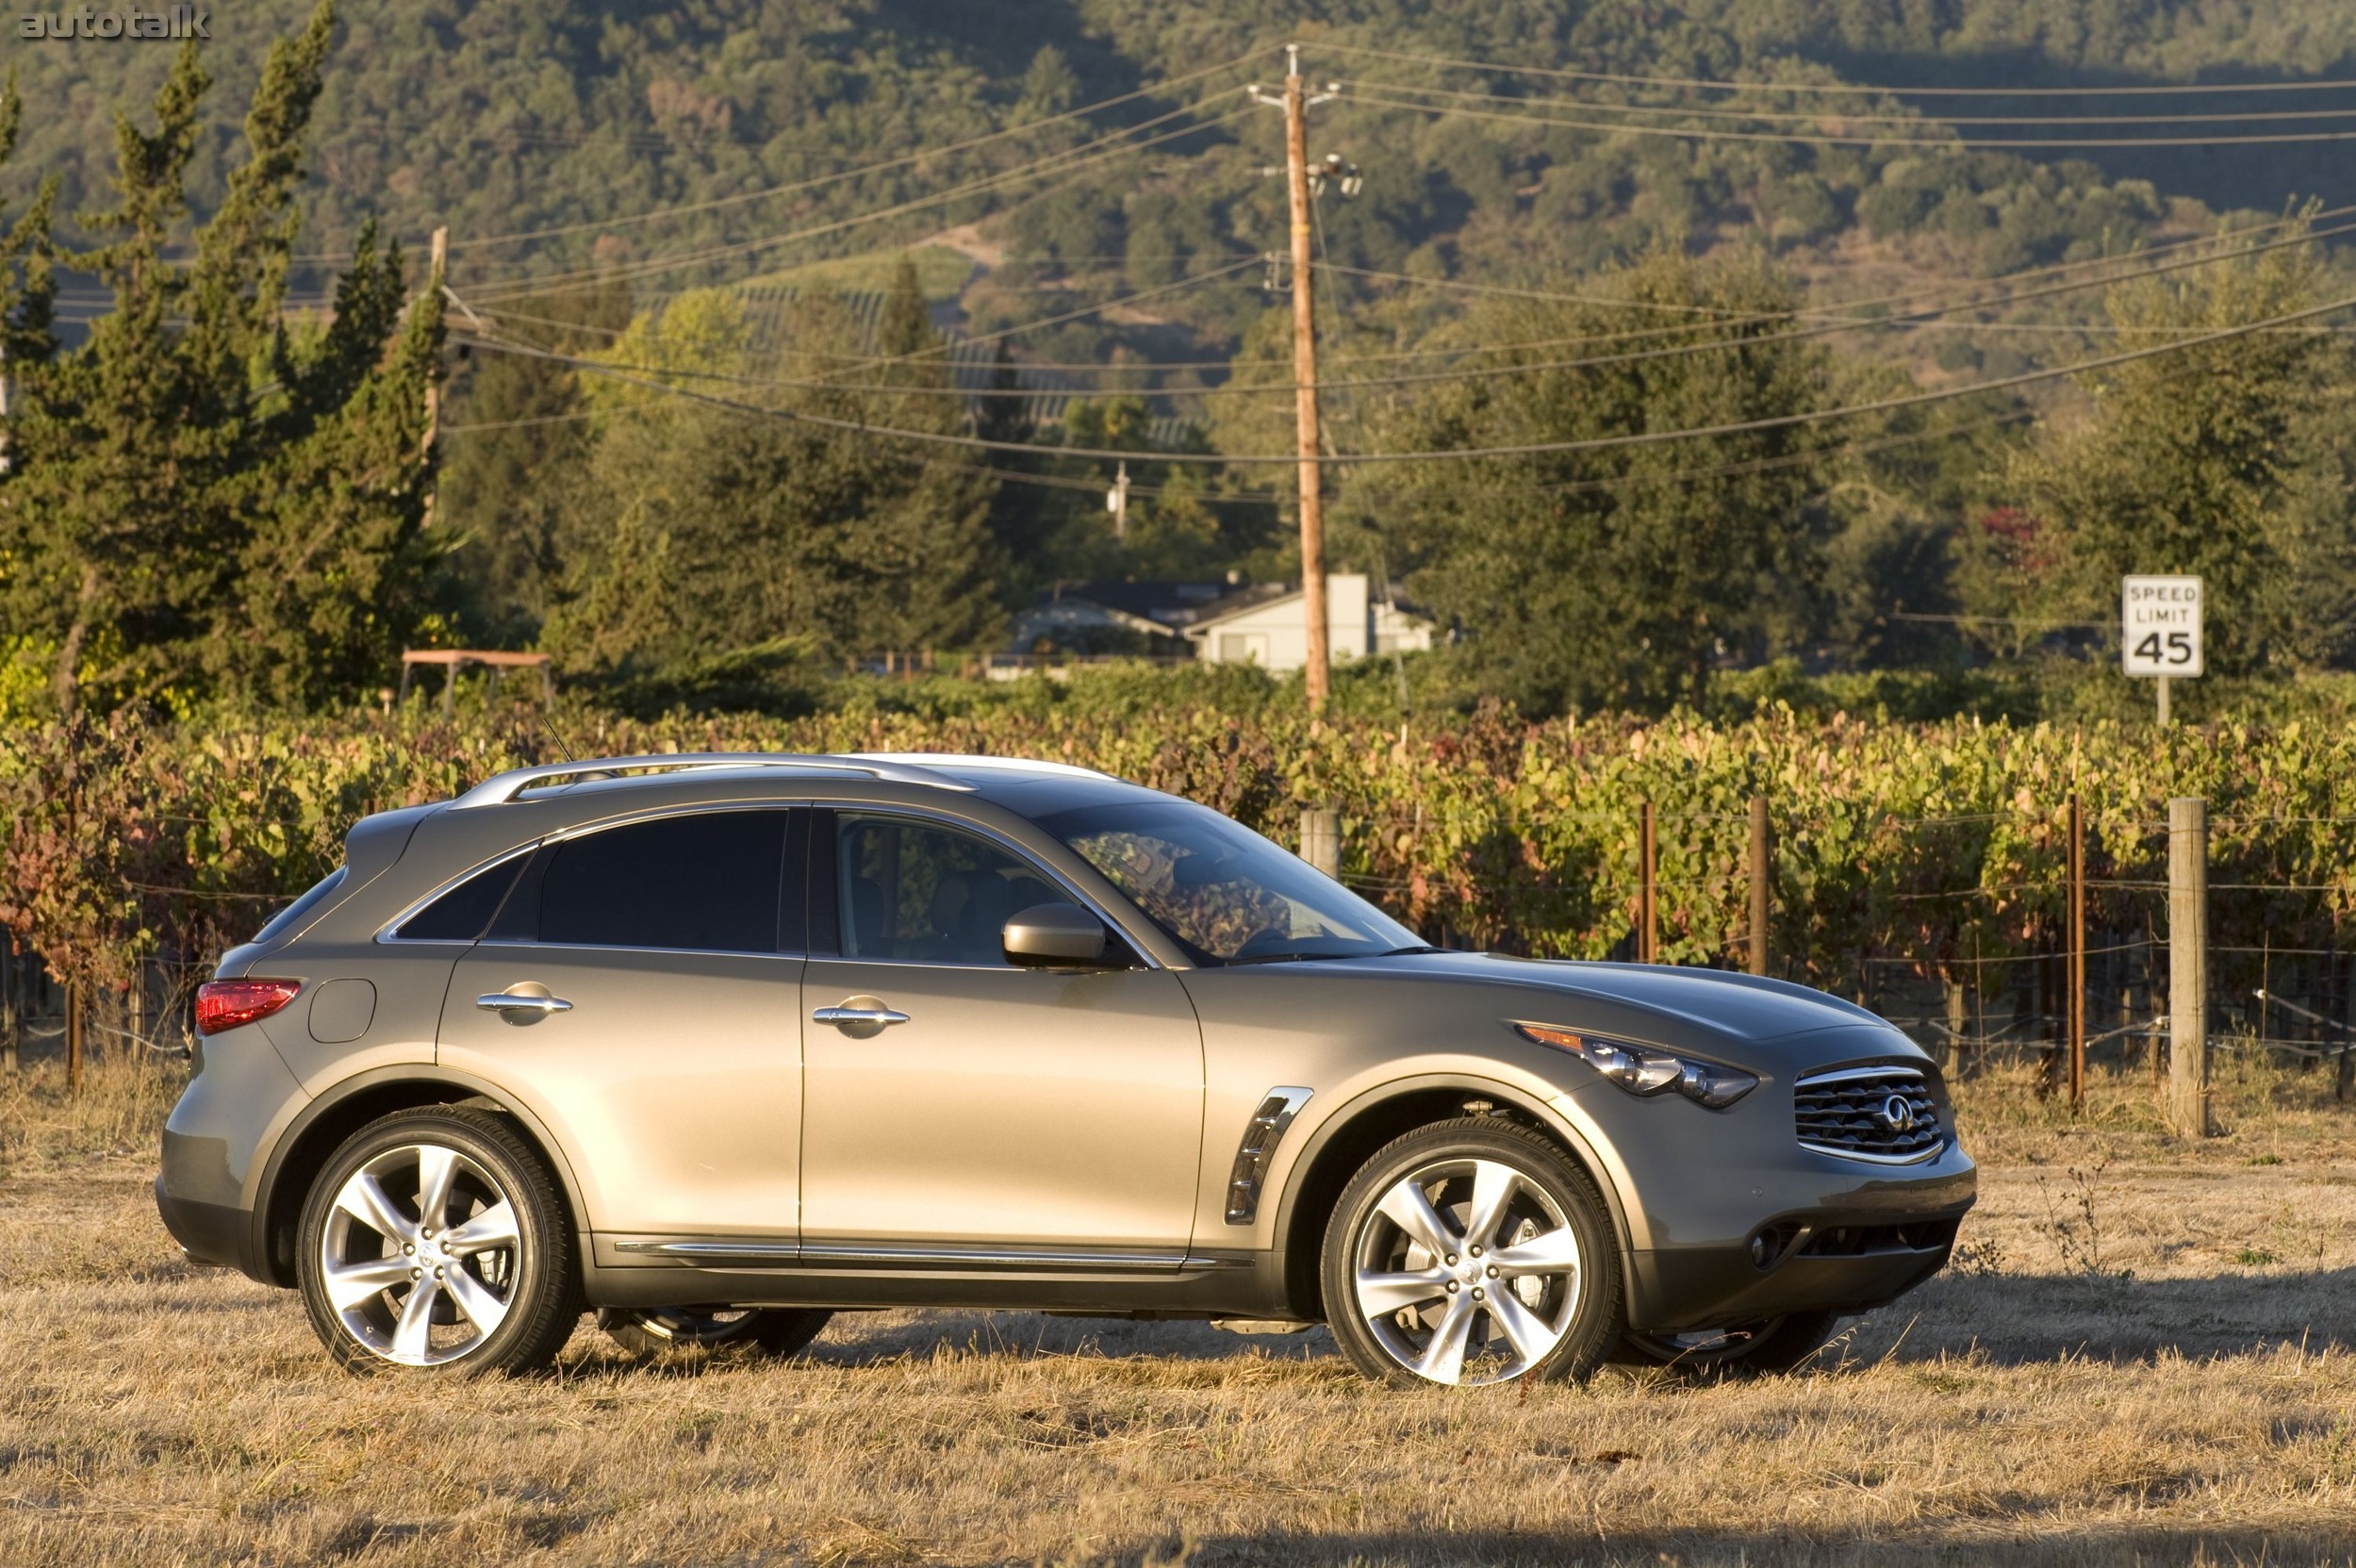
(2222, 461)
(516, 444)
(1614, 576)
(204, 499)
(725, 542)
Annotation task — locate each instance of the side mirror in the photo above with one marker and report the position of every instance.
(1051, 934)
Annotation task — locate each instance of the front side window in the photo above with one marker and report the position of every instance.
(708, 882)
(916, 893)
(1220, 890)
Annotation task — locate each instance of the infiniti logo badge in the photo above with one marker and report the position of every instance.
(1897, 1114)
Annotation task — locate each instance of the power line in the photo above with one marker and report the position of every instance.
(1793, 138)
(1834, 89)
(1109, 146)
(1919, 118)
(743, 197)
(1599, 443)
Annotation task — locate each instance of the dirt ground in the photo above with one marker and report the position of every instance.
(2145, 1353)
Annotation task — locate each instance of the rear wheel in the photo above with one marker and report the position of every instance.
(1472, 1252)
(771, 1330)
(1771, 1345)
(434, 1240)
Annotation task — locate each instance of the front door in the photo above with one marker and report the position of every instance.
(671, 1072)
(1015, 1107)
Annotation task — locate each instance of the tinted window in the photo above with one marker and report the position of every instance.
(460, 915)
(707, 882)
(912, 891)
(285, 920)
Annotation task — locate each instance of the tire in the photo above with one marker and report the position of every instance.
(1748, 1349)
(769, 1331)
(1414, 1299)
(503, 1299)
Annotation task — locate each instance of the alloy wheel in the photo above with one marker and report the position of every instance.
(421, 1254)
(1468, 1271)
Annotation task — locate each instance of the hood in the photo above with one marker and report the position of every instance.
(1714, 1012)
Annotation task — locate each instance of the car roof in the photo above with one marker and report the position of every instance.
(1024, 785)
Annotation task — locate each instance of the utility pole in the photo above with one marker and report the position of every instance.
(1316, 673)
(436, 271)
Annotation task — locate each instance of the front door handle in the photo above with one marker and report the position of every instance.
(876, 1017)
(524, 1003)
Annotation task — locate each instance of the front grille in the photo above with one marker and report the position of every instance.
(1858, 1241)
(1857, 1114)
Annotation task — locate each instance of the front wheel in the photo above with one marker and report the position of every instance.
(436, 1240)
(771, 1330)
(1469, 1252)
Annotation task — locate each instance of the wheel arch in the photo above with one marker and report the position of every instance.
(1345, 1140)
(308, 1143)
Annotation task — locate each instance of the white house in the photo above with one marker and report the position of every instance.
(1269, 629)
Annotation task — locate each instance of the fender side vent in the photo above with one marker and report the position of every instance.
(1261, 1136)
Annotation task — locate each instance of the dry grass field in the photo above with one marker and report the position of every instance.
(2145, 1354)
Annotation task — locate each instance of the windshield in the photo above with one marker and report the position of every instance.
(1221, 891)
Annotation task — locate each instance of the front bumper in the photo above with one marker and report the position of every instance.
(1827, 1263)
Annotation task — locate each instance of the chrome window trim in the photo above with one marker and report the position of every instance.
(1021, 852)
(512, 944)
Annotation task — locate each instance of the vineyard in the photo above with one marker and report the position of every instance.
(1919, 867)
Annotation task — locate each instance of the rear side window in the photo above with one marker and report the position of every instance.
(460, 915)
(287, 918)
(708, 882)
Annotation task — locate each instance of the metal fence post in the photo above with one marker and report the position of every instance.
(1321, 841)
(1647, 925)
(1761, 888)
(2188, 966)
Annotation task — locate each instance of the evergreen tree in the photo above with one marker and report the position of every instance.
(203, 500)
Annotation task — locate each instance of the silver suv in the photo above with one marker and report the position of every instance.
(719, 1045)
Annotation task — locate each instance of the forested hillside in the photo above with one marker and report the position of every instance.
(1046, 224)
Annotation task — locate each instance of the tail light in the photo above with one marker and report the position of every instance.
(226, 1003)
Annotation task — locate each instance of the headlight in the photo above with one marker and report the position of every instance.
(1641, 1070)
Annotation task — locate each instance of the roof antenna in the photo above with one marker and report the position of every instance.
(563, 750)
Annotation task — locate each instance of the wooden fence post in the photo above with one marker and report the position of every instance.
(2188, 966)
(1321, 841)
(1762, 872)
(73, 1037)
(2077, 956)
(11, 1002)
(1647, 924)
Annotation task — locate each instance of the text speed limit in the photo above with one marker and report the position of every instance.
(2160, 619)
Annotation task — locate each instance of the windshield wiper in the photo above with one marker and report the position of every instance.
(1292, 958)
(1401, 952)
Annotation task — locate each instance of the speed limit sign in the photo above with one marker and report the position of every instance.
(2160, 622)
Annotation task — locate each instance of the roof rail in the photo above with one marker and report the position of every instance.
(950, 759)
(502, 788)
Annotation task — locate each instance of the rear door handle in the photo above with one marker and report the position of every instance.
(875, 1016)
(511, 1002)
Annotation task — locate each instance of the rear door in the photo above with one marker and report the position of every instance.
(640, 990)
(1009, 1108)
